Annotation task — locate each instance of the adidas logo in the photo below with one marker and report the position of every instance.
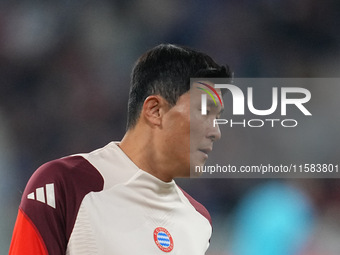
(44, 195)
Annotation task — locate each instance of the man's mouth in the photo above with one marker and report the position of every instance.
(206, 151)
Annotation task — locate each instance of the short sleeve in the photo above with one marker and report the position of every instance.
(50, 204)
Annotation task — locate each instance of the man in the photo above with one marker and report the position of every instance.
(122, 199)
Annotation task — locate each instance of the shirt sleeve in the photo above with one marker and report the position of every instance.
(50, 204)
(26, 238)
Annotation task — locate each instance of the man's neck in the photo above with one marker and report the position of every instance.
(138, 146)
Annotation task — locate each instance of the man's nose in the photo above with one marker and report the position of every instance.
(214, 132)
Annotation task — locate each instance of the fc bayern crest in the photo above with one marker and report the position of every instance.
(163, 239)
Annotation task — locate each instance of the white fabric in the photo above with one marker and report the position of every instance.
(121, 219)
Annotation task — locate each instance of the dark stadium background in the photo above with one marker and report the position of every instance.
(64, 79)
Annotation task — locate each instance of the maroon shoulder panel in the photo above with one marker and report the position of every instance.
(198, 206)
(72, 178)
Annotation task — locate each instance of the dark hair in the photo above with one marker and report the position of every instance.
(166, 71)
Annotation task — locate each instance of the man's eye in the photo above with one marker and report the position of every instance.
(207, 110)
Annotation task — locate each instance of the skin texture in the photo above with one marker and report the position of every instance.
(202, 131)
(167, 140)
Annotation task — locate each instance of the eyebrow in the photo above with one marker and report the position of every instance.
(210, 103)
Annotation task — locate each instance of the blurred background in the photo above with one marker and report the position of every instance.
(64, 80)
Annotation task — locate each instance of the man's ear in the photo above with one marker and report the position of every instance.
(154, 108)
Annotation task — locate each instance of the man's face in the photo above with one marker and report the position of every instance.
(189, 135)
(202, 130)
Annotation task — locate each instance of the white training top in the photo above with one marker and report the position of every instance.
(102, 203)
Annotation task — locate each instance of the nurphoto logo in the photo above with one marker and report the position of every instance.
(238, 105)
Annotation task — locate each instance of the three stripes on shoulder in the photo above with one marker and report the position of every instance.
(44, 195)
